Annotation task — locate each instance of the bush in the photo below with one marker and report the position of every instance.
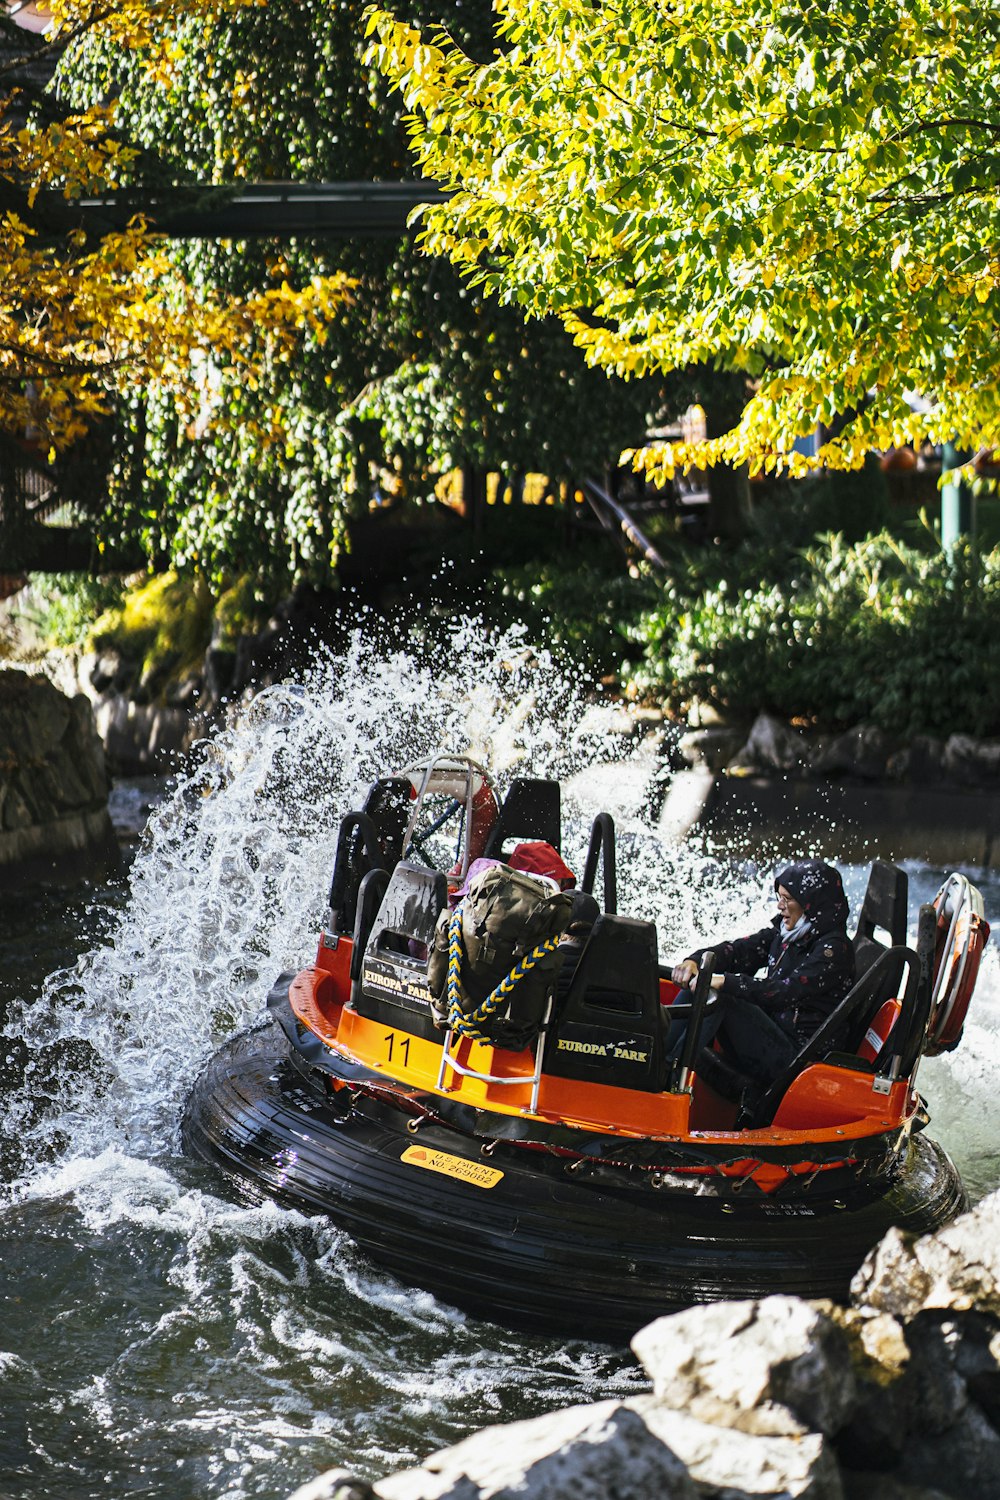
(586, 611)
(62, 607)
(163, 627)
(875, 631)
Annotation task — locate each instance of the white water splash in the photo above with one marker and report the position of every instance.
(230, 882)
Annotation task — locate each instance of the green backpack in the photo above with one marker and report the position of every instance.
(503, 984)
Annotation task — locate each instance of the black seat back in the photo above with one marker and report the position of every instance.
(390, 985)
(883, 907)
(368, 840)
(388, 805)
(359, 852)
(532, 809)
(607, 1026)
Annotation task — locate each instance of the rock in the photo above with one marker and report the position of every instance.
(957, 1267)
(582, 1453)
(971, 761)
(335, 1484)
(976, 1353)
(963, 1460)
(220, 674)
(704, 715)
(711, 748)
(917, 1384)
(920, 761)
(778, 1366)
(728, 1463)
(107, 672)
(143, 737)
(34, 716)
(883, 1487)
(940, 1395)
(862, 751)
(16, 812)
(771, 746)
(53, 787)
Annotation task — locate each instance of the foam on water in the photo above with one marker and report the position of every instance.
(224, 1351)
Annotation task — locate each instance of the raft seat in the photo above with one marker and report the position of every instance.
(371, 839)
(392, 945)
(606, 1027)
(845, 1027)
(532, 809)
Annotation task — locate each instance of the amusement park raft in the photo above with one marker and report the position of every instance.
(577, 1176)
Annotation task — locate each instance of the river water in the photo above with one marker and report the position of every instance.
(155, 1338)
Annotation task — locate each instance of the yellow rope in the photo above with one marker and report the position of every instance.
(467, 1023)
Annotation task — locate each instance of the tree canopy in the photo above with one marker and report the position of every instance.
(84, 317)
(804, 191)
(418, 373)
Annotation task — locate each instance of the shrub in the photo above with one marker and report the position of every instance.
(584, 610)
(164, 624)
(876, 631)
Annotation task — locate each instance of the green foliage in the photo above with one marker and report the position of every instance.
(164, 624)
(585, 611)
(807, 193)
(242, 609)
(795, 512)
(873, 631)
(64, 605)
(417, 373)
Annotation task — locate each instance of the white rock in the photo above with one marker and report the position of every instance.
(775, 1366)
(772, 745)
(608, 1451)
(335, 1484)
(728, 1464)
(957, 1267)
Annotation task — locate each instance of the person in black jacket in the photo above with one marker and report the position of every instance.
(809, 967)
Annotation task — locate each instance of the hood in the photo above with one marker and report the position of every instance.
(819, 890)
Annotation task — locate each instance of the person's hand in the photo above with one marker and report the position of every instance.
(718, 980)
(685, 972)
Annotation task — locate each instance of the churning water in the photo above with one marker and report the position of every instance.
(158, 1340)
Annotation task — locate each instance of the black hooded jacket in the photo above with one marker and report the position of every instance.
(809, 973)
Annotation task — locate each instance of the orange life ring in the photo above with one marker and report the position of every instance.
(459, 777)
(962, 934)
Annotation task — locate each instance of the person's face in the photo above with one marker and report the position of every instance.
(790, 909)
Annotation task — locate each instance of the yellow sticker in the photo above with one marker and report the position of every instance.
(473, 1172)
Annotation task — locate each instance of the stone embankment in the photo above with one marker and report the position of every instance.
(894, 1397)
(53, 789)
(856, 794)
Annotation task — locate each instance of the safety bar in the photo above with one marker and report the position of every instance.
(452, 1064)
(602, 846)
(702, 990)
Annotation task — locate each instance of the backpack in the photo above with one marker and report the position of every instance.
(504, 915)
